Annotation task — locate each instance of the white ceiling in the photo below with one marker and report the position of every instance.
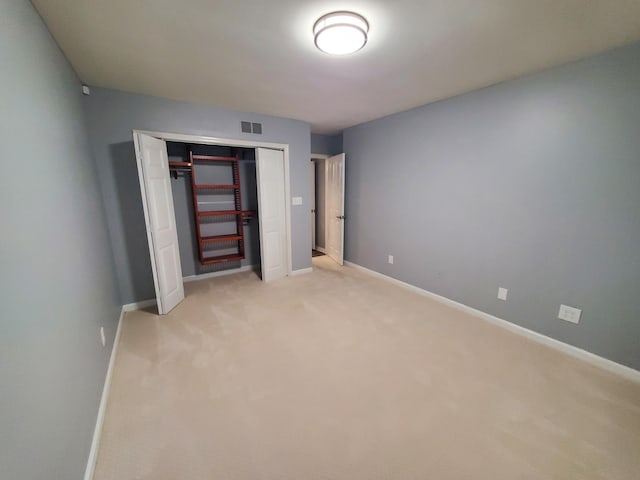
(258, 55)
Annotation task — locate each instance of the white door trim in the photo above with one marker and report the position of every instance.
(326, 207)
(312, 201)
(232, 142)
(321, 156)
(226, 142)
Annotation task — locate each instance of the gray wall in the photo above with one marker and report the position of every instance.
(111, 117)
(326, 144)
(532, 185)
(57, 283)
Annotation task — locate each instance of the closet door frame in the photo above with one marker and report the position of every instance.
(230, 142)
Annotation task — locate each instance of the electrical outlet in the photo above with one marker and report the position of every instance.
(102, 337)
(502, 293)
(391, 259)
(296, 200)
(570, 314)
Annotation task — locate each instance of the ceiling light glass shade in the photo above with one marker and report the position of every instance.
(340, 33)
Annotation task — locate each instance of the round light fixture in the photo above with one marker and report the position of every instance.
(340, 33)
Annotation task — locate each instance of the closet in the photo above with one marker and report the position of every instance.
(213, 206)
(215, 202)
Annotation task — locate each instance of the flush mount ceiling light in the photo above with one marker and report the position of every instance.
(340, 33)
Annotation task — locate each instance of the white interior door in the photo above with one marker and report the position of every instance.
(334, 186)
(270, 173)
(162, 234)
(313, 204)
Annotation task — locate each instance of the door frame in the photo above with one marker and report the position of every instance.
(314, 207)
(233, 142)
(321, 156)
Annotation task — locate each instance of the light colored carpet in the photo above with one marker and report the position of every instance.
(338, 375)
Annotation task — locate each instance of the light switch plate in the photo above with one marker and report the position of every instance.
(296, 200)
(502, 293)
(570, 314)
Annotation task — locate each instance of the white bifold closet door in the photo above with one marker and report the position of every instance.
(162, 234)
(270, 173)
(334, 186)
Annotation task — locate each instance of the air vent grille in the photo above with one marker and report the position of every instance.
(251, 127)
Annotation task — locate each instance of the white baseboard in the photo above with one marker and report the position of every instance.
(593, 359)
(97, 431)
(221, 273)
(321, 249)
(302, 271)
(130, 307)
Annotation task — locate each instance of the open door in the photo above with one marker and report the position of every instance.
(162, 234)
(270, 173)
(335, 207)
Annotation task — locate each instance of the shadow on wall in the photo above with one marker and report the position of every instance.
(125, 171)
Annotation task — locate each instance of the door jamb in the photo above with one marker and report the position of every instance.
(321, 156)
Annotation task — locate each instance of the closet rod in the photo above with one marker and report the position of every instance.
(173, 171)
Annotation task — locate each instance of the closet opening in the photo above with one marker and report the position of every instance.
(215, 198)
(213, 206)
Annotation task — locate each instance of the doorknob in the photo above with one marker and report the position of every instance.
(340, 217)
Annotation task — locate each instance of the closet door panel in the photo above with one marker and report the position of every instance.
(272, 213)
(162, 234)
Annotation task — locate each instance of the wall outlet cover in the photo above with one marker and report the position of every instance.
(570, 314)
(502, 293)
(296, 200)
